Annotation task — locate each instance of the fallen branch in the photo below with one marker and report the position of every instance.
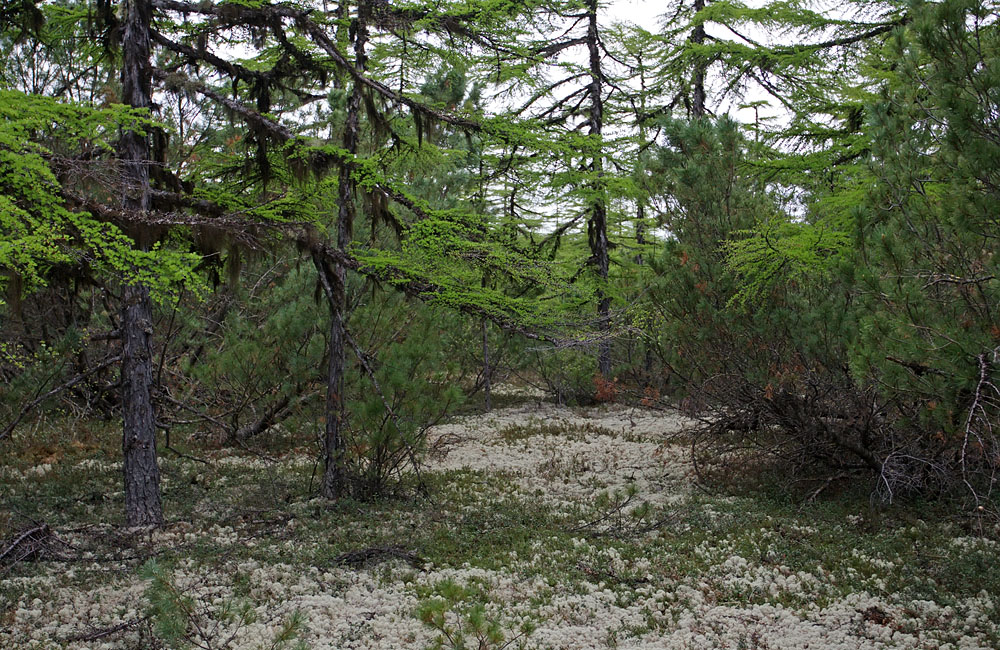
(102, 633)
(55, 391)
(264, 422)
(32, 544)
(376, 554)
(601, 574)
(40, 531)
(616, 510)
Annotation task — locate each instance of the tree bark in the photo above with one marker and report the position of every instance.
(141, 473)
(698, 78)
(486, 366)
(597, 225)
(334, 448)
(640, 240)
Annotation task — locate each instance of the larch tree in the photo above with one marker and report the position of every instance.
(96, 153)
(561, 86)
(301, 56)
(141, 473)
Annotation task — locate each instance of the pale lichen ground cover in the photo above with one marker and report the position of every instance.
(559, 528)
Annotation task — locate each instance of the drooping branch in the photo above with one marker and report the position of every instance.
(233, 70)
(252, 232)
(176, 81)
(320, 37)
(247, 232)
(845, 40)
(282, 134)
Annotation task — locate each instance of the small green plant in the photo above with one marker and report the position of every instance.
(182, 620)
(460, 617)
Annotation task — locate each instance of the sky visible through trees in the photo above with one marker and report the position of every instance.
(776, 216)
(650, 294)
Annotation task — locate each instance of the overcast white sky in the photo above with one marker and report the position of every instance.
(644, 13)
(648, 14)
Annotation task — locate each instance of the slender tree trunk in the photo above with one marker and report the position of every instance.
(640, 240)
(334, 472)
(698, 79)
(141, 474)
(640, 212)
(486, 364)
(334, 448)
(640, 230)
(597, 225)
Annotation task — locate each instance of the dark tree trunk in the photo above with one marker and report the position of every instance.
(698, 79)
(142, 476)
(334, 448)
(597, 225)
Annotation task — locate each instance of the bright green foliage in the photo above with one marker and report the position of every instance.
(168, 606)
(783, 249)
(448, 256)
(459, 616)
(444, 168)
(806, 60)
(59, 49)
(38, 230)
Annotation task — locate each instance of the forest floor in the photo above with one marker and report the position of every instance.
(545, 527)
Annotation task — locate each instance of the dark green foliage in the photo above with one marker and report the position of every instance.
(407, 380)
(706, 198)
(929, 330)
(823, 286)
(771, 371)
(881, 345)
(266, 356)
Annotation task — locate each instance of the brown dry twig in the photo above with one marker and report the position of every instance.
(101, 633)
(36, 543)
(55, 391)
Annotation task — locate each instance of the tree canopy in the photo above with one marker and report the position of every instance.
(476, 186)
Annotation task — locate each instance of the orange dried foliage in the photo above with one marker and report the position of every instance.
(604, 390)
(650, 395)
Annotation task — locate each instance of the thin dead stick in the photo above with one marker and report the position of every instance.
(374, 554)
(55, 391)
(105, 632)
(970, 420)
(177, 452)
(190, 409)
(38, 530)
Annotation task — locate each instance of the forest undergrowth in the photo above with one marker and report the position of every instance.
(540, 526)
